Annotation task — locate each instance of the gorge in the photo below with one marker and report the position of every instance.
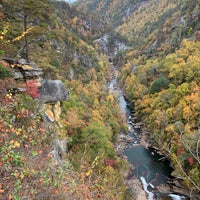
(151, 168)
(99, 99)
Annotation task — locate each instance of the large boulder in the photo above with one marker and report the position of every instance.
(52, 91)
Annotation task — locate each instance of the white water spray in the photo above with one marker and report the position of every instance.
(176, 197)
(145, 185)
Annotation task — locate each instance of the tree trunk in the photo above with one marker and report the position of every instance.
(26, 39)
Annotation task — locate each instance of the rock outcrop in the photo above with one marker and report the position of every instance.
(22, 69)
(52, 91)
(30, 70)
(28, 77)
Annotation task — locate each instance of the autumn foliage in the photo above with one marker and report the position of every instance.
(32, 89)
(170, 108)
(110, 162)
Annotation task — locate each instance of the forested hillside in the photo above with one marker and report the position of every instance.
(113, 12)
(166, 94)
(55, 150)
(61, 145)
(160, 73)
(161, 79)
(158, 27)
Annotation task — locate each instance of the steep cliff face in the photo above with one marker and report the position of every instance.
(31, 114)
(27, 78)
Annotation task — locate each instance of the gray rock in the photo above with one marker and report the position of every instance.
(27, 73)
(59, 152)
(23, 69)
(52, 91)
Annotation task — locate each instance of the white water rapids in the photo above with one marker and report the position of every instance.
(151, 195)
(145, 185)
(176, 197)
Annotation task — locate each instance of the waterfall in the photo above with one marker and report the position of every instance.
(145, 185)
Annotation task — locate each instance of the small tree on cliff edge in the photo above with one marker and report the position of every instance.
(27, 21)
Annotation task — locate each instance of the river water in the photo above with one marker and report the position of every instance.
(149, 166)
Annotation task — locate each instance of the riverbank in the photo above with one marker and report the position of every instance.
(138, 136)
(172, 189)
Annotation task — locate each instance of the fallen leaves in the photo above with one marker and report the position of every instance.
(1, 188)
(10, 197)
(15, 144)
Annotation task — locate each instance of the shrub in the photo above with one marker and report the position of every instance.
(159, 84)
(4, 72)
(32, 89)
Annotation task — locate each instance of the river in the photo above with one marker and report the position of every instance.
(151, 168)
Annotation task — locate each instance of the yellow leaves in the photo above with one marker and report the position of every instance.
(170, 113)
(22, 35)
(73, 120)
(74, 20)
(92, 74)
(94, 164)
(14, 144)
(26, 67)
(11, 142)
(50, 115)
(188, 128)
(96, 104)
(18, 131)
(173, 155)
(88, 173)
(9, 95)
(96, 46)
(170, 128)
(5, 30)
(96, 116)
(109, 171)
(143, 16)
(110, 98)
(186, 44)
(187, 113)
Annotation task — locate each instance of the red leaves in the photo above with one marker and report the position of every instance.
(190, 161)
(180, 151)
(32, 89)
(110, 162)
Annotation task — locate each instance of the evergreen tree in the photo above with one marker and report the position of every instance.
(31, 16)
